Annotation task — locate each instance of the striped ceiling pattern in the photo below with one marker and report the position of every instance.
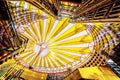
(54, 45)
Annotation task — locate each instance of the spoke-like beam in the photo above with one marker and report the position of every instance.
(71, 37)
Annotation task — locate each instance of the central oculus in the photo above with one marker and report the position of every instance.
(41, 49)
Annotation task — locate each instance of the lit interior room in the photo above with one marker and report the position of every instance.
(59, 39)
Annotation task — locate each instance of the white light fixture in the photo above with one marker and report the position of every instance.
(41, 49)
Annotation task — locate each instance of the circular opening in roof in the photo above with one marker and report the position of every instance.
(41, 49)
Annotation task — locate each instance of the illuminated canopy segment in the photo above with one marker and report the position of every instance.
(54, 45)
(41, 49)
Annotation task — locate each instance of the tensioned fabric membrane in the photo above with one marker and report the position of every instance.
(54, 45)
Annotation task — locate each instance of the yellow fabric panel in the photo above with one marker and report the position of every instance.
(34, 28)
(71, 57)
(49, 25)
(21, 3)
(73, 30)
(41, 26)
(75, 50)
(61, 25)
(78, 40)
